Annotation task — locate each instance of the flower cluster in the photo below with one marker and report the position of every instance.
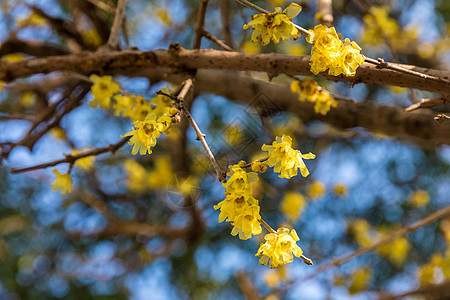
(286, 160)
(279, 248)
(145, 133)
(275, 25)
(239, 207)
(292, 206)
(309, 90)
(329, 52)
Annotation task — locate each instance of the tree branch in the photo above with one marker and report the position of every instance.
(72, 158)
(113, 40)
(115, 62)
(417, 127)
(399, 233)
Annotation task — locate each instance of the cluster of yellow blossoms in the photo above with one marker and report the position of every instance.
(239, 206)
(150, 118)
(279, 248)
(275, 25)
(241, 209)
(329, 52)
(286, 160)
(309, 90)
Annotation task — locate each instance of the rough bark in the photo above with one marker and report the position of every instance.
(181, 59)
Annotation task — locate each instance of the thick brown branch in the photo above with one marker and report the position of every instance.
(418, 127)
(177, 57)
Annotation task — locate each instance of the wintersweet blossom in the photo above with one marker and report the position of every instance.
(279, 248)
(102, 90)
(239, 207)
(246, 223)
(329, 52)
(145, 133)
(63, 182)
(309, 90)
(275, 25)
(286, 160)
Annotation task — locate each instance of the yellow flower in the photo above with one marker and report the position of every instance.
(272, 278)
(161, 174)
(239, 206)
(162, 13)
(286, 160)
(145, 133)
(123, 105)
(246, 223)
(324, 39)
(279, 248)
(316, 189)
(329, 52)
(419, 198)
(340, 190)
(292, 206)
(234, 204)
(360, 280)
(239, 180)
(396, 252)
(137, 176)
(307, 89)
(92, 38)
(163, 103)
(349, 60)
(324, 102)
(361, 231)
(63, 182)
(275, 25)
(102, 90)
(141, 109)
(85, 163)
(13, 57)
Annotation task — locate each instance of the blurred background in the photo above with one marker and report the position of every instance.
(144, 227)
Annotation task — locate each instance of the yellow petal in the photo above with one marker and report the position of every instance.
(292, 10)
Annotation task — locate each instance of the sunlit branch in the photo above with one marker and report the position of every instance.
(72, 158)
(428, 103)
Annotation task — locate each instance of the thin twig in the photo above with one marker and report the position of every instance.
(428, 103)
(200, 24)
(397, 234)
(72, 158)
(381, 64)
(188, 84)
(113, 40)
(219, 43)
